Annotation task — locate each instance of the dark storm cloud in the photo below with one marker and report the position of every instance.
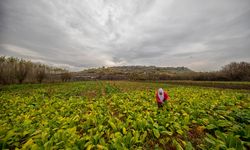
(202, 35)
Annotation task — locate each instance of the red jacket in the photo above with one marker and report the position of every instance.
(166, 97)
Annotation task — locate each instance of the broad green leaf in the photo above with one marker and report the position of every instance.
(224, 123)
(178, 146)
(233, 142)
(89, 147)
(35, 147)
(210, 141)
(25, 133)
(144, 136)
(211, 126)
(220, 135)
(28, 144)
(72, 130)
(156, 133)
(155, 125)
(167, 133)
(180, 131)
(101, 147)
(112, 125)
(189, 146)
(10, 134)
(124, 131)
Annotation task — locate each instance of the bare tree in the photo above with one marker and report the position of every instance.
(2, 70)
(13, 70)
(66, 76)
(40, 73)
(237, 71)
(10, 69)
(21, 70)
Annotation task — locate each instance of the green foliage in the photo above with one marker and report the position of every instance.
(122, 115)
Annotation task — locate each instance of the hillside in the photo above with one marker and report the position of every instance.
(130, 72)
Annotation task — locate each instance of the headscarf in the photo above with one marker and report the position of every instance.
(162, 95)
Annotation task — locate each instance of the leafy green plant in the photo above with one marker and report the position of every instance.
(122, 115)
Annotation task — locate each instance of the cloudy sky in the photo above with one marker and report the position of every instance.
(77, 34)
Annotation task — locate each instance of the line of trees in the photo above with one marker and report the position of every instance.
(232, 72)
(235, 71)
(14, 70)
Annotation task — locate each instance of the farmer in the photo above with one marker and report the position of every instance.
(161, 97)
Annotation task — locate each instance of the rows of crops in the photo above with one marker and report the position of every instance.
(122, 115)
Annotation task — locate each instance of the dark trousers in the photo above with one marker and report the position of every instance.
(161, 104)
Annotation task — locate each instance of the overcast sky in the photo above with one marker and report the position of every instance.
(78, 34)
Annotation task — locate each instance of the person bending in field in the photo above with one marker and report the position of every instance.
(161, 97)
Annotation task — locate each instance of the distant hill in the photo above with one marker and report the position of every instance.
(14, 70)
(131, 72)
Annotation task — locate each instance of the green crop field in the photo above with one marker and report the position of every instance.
(122, 115)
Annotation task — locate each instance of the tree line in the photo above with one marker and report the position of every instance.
(235, 71)
(14, 70)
